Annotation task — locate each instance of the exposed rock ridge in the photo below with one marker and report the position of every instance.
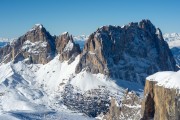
(131, 52)
(39, 47)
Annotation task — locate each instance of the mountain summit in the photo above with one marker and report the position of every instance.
(131, 52)
(40, 47)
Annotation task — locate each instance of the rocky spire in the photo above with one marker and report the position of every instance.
(66, 47)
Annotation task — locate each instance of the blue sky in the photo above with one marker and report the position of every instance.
(85, 16)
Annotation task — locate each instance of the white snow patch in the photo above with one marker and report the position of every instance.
(64, 33)
(36, 26)
(167, 79)
(54, 73)
(33, 47)
(69, 46)
(87, 81)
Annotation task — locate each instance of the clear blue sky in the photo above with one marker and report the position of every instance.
(85, 16)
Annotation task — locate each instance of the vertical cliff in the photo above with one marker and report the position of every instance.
(162, 97)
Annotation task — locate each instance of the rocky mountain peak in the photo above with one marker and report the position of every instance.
(146, 24)
(159, 34)
(129, 53)
(38, 33)
(62, 40)
(37, 45)
(66, 47)
(38, 26)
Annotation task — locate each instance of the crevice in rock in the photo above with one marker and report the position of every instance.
(149, 108)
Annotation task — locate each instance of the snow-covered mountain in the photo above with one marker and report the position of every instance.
(50, 77)
(173, 41)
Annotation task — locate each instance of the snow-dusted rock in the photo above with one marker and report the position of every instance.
(37, 45)
(66, 47)
(129, 53)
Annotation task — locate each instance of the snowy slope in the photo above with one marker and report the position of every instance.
(167, 79)
(34, 90)
(23, 96)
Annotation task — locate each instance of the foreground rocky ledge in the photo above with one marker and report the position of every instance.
(162, 97)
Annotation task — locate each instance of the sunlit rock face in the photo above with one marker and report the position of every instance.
(131, 52)
(37, 45)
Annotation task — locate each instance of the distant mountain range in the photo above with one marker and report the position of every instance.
(173, 40)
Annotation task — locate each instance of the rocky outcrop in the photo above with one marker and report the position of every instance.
(128, 108)
(131, 52)
(66, 47)
(160, 103)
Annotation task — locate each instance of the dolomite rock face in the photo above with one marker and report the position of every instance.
(160, 103)
(66, 47)
(37, 45)
(130, 53)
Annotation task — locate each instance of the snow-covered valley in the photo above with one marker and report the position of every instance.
(36, 91)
